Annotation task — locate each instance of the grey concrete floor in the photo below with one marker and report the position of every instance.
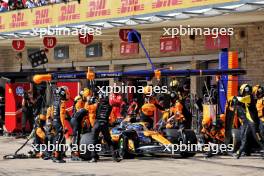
(196, 166)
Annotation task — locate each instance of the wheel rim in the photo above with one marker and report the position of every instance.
(121, 147)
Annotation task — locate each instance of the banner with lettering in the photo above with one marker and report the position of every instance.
(90, 11)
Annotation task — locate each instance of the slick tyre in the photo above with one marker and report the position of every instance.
(127, 145)
(188, 137)
(86, 139)
(124, 151)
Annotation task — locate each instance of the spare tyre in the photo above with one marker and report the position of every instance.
(236, 139)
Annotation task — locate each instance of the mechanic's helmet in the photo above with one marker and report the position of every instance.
(103, 97)
(81, 93)
(77, 98)
(260, 92)
(147, 90)
(174, 83)
(92, 100)
(86, 92)
(245, 90)
(63, 93)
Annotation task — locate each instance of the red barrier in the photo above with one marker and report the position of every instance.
(13, 112)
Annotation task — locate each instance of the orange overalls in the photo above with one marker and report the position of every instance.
(63, 113)
(40, 137)
(91, 108)
(148, 111)
(178, 111)
(178, 117)
(39, 131)
(260, 108)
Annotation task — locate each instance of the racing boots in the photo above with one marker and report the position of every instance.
(115, 156)
(58, 158)
(93, 160)
(237, 155)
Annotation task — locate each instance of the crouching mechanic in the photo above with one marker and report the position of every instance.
(178, 119)
(103, 112)
(149, 107)
(39, 137)
(61, 95)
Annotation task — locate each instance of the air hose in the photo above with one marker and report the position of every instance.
(20, 156)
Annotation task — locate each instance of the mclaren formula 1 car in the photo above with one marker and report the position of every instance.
(136, 139)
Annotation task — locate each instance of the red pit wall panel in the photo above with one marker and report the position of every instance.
(13, 105)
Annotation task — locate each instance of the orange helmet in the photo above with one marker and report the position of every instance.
(86, 92)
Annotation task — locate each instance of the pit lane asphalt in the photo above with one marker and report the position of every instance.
(156, 166)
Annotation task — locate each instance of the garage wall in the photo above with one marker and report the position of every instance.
(251, 45)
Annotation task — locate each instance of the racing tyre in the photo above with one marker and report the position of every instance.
(173, 135)
(236, 139)
(127, 145)
(86, 139)
(188, 137)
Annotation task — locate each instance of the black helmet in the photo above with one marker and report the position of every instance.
(245, 89)
(92, 100)
(103, 97)
(260, 92)
(62, 92)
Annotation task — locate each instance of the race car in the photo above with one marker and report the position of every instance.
(136, 139)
